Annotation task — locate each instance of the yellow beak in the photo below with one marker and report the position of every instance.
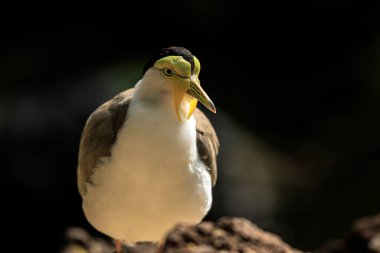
(185, 99)
(197, 92)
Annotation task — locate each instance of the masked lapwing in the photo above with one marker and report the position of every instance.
(147, 157)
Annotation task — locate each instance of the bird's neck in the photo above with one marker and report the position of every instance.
(153, 89)
(156, 94)
(151, 116)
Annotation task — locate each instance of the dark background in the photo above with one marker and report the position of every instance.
(297, 92)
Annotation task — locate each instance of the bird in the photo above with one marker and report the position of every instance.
(147, 157)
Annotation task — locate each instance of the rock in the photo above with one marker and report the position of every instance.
(229, 235)
(364, 237)
(77, 240)
(226, 235)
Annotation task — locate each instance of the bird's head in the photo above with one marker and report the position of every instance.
(180, 69)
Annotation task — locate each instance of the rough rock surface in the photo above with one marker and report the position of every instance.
(226, 235)
(230, 235)
(364, 237)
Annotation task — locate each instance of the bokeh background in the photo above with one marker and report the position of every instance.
(297, 92)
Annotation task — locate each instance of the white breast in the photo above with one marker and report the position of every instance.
(153, 179)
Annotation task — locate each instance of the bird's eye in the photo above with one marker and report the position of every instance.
(168, 72)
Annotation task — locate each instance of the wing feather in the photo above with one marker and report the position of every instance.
(99, 135)
(207, 143)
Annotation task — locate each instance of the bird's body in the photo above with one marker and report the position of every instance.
(144, 165)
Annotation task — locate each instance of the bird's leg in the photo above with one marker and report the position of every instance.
(118, 246)
(160, 247)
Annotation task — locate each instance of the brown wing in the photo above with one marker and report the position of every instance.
(207, 143)
(99, 135)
